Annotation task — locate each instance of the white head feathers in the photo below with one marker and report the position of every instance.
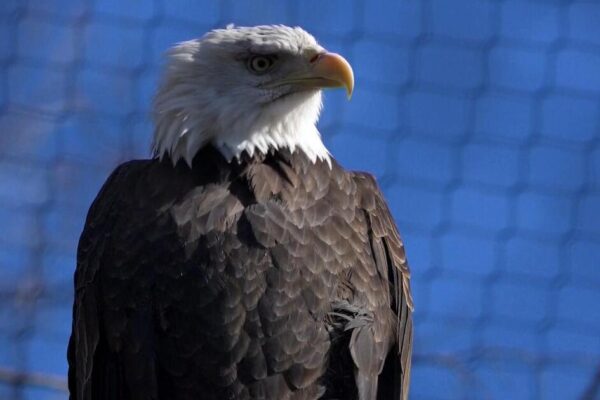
(210, 94)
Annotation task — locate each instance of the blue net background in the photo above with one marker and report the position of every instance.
(481, 120)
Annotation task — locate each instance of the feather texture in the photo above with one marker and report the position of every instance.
(269, 278)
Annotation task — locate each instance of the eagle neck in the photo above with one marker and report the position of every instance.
(285, 124)
(300, 138)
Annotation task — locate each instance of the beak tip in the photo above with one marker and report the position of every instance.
(349, 84)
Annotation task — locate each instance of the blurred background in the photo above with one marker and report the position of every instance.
(480, 118)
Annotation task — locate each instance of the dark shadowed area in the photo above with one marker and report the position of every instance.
(481, 120)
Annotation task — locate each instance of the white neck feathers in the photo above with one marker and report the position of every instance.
(185, 125)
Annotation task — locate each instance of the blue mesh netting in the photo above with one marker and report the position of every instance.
(480, 118)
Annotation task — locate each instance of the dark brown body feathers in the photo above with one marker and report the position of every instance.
(271, 278)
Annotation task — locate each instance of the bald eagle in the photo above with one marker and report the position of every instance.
(241, 261)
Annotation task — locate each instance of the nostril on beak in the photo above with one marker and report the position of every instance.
(315, 58)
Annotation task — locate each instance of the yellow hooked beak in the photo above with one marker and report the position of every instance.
(326, 70)
(334, 71)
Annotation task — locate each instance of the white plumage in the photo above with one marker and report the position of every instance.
(208, 95)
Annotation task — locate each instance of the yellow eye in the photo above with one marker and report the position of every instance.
(260, 64)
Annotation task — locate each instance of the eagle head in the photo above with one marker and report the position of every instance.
(246, 89)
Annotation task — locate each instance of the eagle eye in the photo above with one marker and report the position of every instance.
(260, 64)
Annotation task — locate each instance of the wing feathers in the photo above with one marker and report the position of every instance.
(390, 259)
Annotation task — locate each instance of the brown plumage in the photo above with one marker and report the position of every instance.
(269, 278)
